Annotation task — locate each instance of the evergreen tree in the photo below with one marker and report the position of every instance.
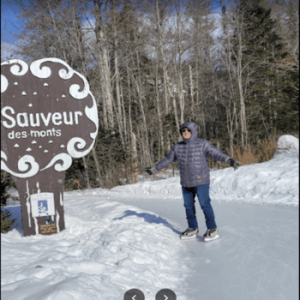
(263, 54)
(6, 222)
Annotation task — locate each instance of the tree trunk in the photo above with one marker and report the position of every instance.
(103, 60)
(161, 133)
(80, 49)
(86, 173)
(192, 91)
(117, 77)
(134, 169)
(138, 84)
(239, 72)
(162, 55)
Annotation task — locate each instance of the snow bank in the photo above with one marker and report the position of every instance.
(166, 188)
(288, 143)
(272, 182)
(106, 249)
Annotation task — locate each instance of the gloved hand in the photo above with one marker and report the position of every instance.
(235, 164)
(150, 170)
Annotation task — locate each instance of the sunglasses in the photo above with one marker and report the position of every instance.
(184, 130)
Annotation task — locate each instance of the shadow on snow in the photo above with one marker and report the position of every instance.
(149, 218)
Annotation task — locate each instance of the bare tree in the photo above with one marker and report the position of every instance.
(103, 60)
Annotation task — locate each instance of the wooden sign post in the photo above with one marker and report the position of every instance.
(48, 116)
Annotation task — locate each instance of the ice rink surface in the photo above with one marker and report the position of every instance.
(256, 256)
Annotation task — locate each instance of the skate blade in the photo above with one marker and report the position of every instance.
(211, 239)
(188, 237)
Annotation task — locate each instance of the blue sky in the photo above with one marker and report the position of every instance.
(10, 24)
(9, 21)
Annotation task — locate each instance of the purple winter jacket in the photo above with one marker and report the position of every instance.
(192, 156)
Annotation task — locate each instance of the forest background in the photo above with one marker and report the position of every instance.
(232, 67)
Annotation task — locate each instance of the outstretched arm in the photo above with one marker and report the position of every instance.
(170, 158)
(218, 155)
(214, 152)
(163, 163)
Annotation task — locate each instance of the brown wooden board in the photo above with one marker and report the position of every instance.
(48, 117)
(47, 229)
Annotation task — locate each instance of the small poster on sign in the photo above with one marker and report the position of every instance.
(43, 208)
(42, 205)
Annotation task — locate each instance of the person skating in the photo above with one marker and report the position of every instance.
(192, 156)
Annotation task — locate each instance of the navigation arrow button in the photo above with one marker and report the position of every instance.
(165, 294)
(134, 294)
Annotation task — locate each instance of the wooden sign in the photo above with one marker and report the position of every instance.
(48, 117)
(47, 229)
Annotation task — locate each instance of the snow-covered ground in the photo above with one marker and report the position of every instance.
(128, 237)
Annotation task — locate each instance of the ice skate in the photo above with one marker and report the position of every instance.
(211, 234)
(189, 233)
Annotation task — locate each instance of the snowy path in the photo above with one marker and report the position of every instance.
(255, 258)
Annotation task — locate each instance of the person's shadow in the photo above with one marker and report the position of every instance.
(148, 218)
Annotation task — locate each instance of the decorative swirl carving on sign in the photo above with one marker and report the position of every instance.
(39, 72)
(92, 114)
(67, 162)
(80, 144)
(63, 74)
(23, 164)
(45, 72)
(18, 68)
(74, 89)
(4, 83)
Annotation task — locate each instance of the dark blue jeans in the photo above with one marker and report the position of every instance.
(202, 192)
